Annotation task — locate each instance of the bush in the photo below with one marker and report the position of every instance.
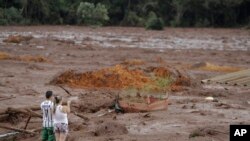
(3, 22)
(154, 22)
(202, 23)
(132, 19)
(10, 16)
(90, 14)
(13, 16)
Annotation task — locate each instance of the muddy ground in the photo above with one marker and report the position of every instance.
(189, 116)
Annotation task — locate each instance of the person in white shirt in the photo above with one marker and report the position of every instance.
(61, 119)
(47, 110)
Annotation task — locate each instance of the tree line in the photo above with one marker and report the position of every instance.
(176, 13)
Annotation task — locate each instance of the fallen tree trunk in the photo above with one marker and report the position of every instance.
(8, 134)
(6, 98)
(81, 116)
(33, 108)
(17, 129)
(27, 122)
(4, 117)
(24, 111)
(65, 90)
(34, 114)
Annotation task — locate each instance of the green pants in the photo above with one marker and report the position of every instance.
(48, 134)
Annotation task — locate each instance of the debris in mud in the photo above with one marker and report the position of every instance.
(88, 105)
(183, 81)
(209, 98)
(4, 56)
(29, 58)
(133, 62)
(17, 39)
(180, 83)
(25, 58)
(64, 41)
(202, 132)
(131, 107)
(227, 106)
(35, 67)
(206, 131)
(148, 103)
(110, 129)
(212, 67)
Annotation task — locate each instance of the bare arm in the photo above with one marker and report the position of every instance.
(66, 109)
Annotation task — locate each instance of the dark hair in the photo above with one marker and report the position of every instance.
(48, 94)
(57, 100)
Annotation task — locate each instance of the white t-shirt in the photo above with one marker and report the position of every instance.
(60, 116)
(47, 109)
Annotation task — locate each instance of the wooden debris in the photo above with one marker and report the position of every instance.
(65, 90)
(6, 98)
(81, 116)
(27, 122)
(17, 129)
(103, 114)
(26, 111)
(8, 134)
(4, 117)
(34, 114)
(33, 108)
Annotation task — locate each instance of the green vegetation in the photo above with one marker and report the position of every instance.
(160, 84)
(183, 13)
(154, 22)
(90, 14)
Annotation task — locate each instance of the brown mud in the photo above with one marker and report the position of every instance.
(124, 57)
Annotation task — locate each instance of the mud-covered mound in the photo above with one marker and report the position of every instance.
(17, 39)
(110, 129)
(122, 77)
(114, 77)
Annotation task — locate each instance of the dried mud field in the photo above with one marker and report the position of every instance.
(95, 64)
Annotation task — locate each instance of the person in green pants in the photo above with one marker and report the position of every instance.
(47, 110)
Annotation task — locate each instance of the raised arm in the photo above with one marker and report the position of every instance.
(66, 109)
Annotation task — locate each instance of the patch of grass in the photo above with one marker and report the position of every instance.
(130, 91)
(163, 82)
(159, 85)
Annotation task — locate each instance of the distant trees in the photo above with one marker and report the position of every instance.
(184, 13)
(90, 14)
(10, 16)
(154, 22)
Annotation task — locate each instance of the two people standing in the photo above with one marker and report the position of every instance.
(55, 119)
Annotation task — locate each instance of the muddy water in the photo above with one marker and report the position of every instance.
(113, 39)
